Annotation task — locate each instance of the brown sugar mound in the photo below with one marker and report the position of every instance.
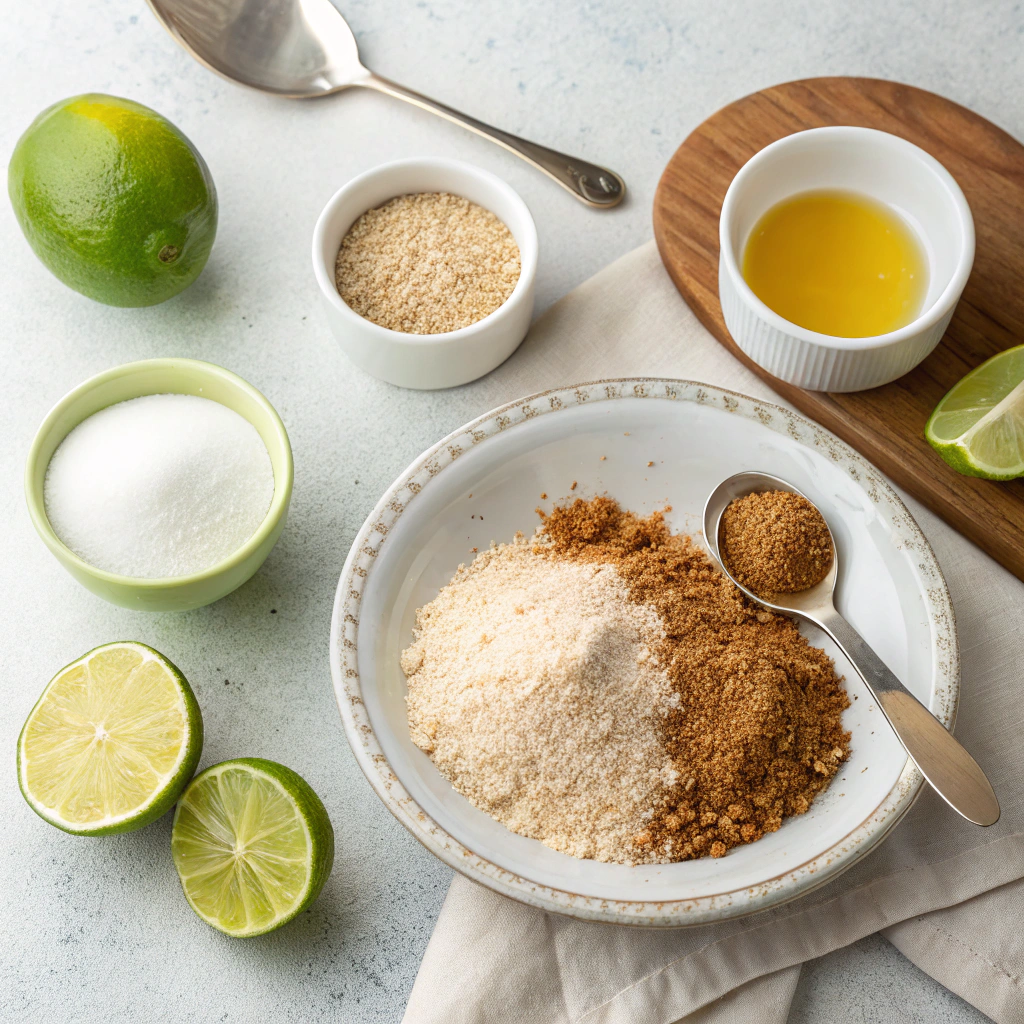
(757, 733)
(775, 542)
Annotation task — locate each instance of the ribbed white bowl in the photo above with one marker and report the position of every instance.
(876, 164)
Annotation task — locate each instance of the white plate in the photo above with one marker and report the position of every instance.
(484, 482)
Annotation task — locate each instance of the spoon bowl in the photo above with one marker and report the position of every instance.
(810, 603)
(304, 48)
(947, 767)
(294, 48)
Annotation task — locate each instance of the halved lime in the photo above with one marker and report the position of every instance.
(112, 741)
(253, 845)
(978, 428)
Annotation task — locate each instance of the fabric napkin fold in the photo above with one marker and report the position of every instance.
(948, 894)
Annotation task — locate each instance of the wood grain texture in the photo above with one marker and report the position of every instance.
(886, 424)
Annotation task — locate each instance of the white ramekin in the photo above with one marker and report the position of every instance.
(876, 164)
(426, 360)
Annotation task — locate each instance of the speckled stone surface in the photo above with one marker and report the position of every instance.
(97, 930)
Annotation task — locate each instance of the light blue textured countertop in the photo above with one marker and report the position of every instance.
(97, 930)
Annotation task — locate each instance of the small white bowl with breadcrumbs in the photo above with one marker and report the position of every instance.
(426, 268)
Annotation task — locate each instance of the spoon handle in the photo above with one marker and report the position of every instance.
(596, 186)
(950, 770)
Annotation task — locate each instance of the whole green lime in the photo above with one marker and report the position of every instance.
(114, 200)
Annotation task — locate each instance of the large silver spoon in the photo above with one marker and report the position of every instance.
(949, 769)
(304, 48)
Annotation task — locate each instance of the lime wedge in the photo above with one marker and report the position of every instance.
(252, 844)
(112, 741)
(978, 428)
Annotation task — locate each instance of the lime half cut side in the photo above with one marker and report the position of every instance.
(978, 428)
(112, 741)
(253, 845)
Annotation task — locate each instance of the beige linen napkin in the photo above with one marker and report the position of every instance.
(950, 895)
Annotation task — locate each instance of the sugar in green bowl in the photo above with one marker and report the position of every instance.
(159, 377)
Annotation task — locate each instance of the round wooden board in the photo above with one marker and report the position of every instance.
(886, 424)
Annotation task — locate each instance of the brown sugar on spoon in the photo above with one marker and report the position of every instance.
(775, 542)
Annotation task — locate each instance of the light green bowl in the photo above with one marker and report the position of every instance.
(158, 377)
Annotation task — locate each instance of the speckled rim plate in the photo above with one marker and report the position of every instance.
(717, 903)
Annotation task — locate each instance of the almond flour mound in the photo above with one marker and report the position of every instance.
(534, 690)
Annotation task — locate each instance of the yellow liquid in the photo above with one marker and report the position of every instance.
(837, 263)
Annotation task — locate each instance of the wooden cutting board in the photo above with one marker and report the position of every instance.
(886, 424)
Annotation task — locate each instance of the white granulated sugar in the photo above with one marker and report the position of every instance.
(163, 485)
(534, 690)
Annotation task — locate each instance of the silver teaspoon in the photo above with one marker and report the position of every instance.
(949, 769)
(304, 48)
